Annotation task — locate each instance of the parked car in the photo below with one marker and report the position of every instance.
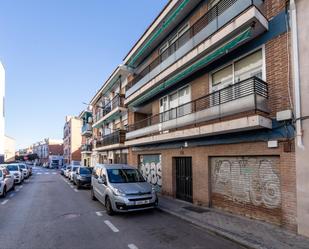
(121, 188)
(63, 169)
(25, 170)
(72, 172)
(6, 181)
(67, 171)
(16, 171)
(82, 177)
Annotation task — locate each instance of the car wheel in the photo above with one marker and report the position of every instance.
(78, 185)
(13, 188)
(108, 206)
(4, 192)
(74, 183)
(92, 195)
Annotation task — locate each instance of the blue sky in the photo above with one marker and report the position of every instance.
(57, 53)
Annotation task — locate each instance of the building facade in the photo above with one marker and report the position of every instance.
(72, 139)
(9, 149)
(207, 100)
(205, 105)
(2, 111)
(110, 119)
(299, 10)
(87, 140)
(46, 148)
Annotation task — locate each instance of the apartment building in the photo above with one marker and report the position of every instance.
(44, 149)
(210, 103)
(110, 119)
(86, 133)
(72, 139)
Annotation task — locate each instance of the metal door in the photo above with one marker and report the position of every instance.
(184, 178)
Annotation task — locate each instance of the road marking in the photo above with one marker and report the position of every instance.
(17, 190)
(39, 173)
(100, 213)
(132, 246)
(54, 173)
(46, 173)
(71, 186)
(21, 186)
(111, 226)
(2, 203)
(11, 195)
(76, 190)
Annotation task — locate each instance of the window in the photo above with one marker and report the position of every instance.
(239, 70)
(172, 40)
(174, 105)
(244, 68)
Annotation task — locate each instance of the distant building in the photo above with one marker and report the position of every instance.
(72, 139)
(2, 110)
(9, 149)
(46, 148)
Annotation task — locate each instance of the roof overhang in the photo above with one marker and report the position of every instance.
(121, 71)
(173, 13)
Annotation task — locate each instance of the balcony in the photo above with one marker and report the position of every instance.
(201, 35)
(245, 96)
(114, 106)
(112, 140)
(86, 130)
(86, 148)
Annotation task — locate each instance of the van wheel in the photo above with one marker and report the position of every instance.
(92, 195)
(109, 208)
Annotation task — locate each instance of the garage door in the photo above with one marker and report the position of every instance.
(247, 185)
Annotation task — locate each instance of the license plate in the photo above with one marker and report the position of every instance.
(141, 202)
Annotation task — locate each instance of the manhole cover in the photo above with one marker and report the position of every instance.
(70, 215)
(196, 209)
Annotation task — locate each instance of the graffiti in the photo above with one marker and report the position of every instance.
(150, 167)
(247, 180)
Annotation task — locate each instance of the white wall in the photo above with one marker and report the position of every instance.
(2, 94)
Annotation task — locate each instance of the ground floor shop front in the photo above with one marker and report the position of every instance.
(249, 179)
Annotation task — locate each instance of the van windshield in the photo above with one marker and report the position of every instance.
(124, 176)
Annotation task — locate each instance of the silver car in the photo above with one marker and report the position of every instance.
(121, 188)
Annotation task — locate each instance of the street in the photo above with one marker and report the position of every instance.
(49, 212)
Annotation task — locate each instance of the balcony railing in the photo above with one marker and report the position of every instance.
(117, 101)
(249, 94)
(86, 147)
(212, 21)
(116, 137)
(86, 128)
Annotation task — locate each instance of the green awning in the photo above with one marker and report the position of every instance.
(108, 120)
(222, 50)
(166, 23)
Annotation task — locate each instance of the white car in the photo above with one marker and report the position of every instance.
(6, 181)
(67, 171)
(72, 172)
(25, 170)
(16, 171)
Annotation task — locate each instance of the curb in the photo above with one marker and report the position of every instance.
(215, 231)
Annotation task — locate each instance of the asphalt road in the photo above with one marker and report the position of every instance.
(48, 212)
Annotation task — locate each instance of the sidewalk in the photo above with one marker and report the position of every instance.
(248, 232)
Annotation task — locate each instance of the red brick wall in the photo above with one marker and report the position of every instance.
(55, 149)
(201, 168)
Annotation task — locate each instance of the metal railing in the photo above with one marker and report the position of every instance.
(86, 147)
(116, 137)
(210, 16)
(251, 86)
(117, 101)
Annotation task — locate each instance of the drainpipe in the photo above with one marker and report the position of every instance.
(295, 65)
